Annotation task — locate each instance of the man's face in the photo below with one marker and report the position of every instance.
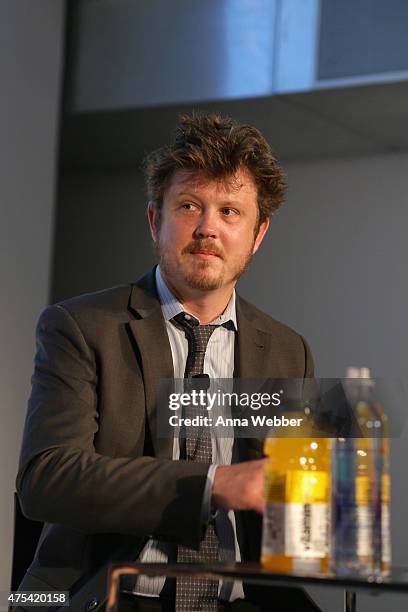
(206, 237)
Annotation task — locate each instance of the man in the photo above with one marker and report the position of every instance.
(92, 467)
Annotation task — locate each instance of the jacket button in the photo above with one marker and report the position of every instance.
(91, 604)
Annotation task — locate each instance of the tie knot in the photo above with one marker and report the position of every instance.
(199, 334)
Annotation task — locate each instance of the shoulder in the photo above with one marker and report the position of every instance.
(287, 346)
(109, 301)
(114, 303)
(89, 309)
(263, 321)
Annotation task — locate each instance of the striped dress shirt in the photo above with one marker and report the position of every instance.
(218, 364)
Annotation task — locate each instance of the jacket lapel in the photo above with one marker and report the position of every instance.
(150, 334)
(251, 362)
(252, 344)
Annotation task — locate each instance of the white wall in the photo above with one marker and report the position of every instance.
(337, 253)
(30, 69)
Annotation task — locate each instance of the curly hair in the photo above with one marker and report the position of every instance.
(215, 147)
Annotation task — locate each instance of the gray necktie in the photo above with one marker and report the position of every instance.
(193, 594)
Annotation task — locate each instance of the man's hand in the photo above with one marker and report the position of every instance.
(239, 486)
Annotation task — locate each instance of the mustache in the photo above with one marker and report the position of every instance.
(203, 245)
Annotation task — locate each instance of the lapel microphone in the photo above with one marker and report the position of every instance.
(198, 382)
(201, 381)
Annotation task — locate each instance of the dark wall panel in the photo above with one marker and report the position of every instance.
(102, 237)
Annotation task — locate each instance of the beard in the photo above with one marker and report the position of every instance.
(199, 274)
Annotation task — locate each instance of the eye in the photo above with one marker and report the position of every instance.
(188, 206)
(229, 212)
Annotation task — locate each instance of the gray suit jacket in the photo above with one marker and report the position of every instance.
(91, 466)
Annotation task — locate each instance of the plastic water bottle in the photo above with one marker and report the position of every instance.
(360, 540)
(381, 491)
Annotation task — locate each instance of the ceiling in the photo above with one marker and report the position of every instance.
(340, 122)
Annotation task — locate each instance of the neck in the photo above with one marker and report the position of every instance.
(206, 310)
(205, 305)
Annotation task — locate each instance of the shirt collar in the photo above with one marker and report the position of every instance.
(171, 306)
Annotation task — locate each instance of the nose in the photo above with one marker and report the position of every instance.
(207, 226)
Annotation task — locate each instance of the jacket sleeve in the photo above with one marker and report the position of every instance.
(62, 479)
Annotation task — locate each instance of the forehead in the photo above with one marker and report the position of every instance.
(239, 186)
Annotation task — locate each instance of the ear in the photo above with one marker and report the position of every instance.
(152, 217)
(263, 228)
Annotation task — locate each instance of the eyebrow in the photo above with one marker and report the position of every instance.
(185, 193)
(192, 195)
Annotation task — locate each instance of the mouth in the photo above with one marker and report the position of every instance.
(204, 254)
